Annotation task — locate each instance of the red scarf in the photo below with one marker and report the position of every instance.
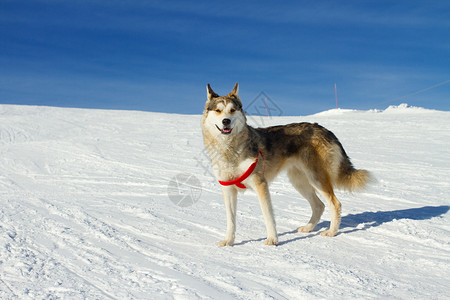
(238, 181)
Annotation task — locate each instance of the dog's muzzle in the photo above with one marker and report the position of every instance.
(226, 126)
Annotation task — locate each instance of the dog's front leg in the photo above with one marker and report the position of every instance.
(262, 189)
(230, 199)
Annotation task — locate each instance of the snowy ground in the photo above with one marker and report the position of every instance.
(85, 212)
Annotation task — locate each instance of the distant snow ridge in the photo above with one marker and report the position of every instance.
(335, 112)
(401, 108)
(405, 108)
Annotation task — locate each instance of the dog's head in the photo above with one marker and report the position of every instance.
(223, 115)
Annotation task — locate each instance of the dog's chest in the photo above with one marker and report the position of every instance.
(230, 170)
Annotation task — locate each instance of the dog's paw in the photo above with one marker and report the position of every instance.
(329, 233)
(305, 229)
(271, 241)
(225, 243)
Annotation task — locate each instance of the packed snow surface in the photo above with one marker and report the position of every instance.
(85, 211)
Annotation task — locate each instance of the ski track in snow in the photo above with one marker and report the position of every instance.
(85, 212)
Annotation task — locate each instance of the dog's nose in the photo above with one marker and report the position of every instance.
(226, 122)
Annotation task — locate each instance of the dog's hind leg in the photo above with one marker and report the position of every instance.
(301, 184)
(262, 189)
(230, 199)
(320, 179)
(335, 209)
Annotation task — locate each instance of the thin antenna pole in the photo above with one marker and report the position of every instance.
(335, 94)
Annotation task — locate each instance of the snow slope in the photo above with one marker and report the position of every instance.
(85, 211)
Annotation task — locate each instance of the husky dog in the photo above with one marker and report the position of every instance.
(243, 156)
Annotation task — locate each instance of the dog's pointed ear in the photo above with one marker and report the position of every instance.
(235, 90)
(211, 94)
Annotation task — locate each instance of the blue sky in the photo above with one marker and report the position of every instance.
(159, 55)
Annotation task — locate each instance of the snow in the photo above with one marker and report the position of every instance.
(89, 209)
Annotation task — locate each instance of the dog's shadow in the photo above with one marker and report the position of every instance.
(366, 220)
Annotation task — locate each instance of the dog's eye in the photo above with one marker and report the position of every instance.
(218, 111)
(232, 110)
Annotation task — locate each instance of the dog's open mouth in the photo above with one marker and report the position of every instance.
(225, 130)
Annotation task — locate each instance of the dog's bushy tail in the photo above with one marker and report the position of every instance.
(352, 179)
